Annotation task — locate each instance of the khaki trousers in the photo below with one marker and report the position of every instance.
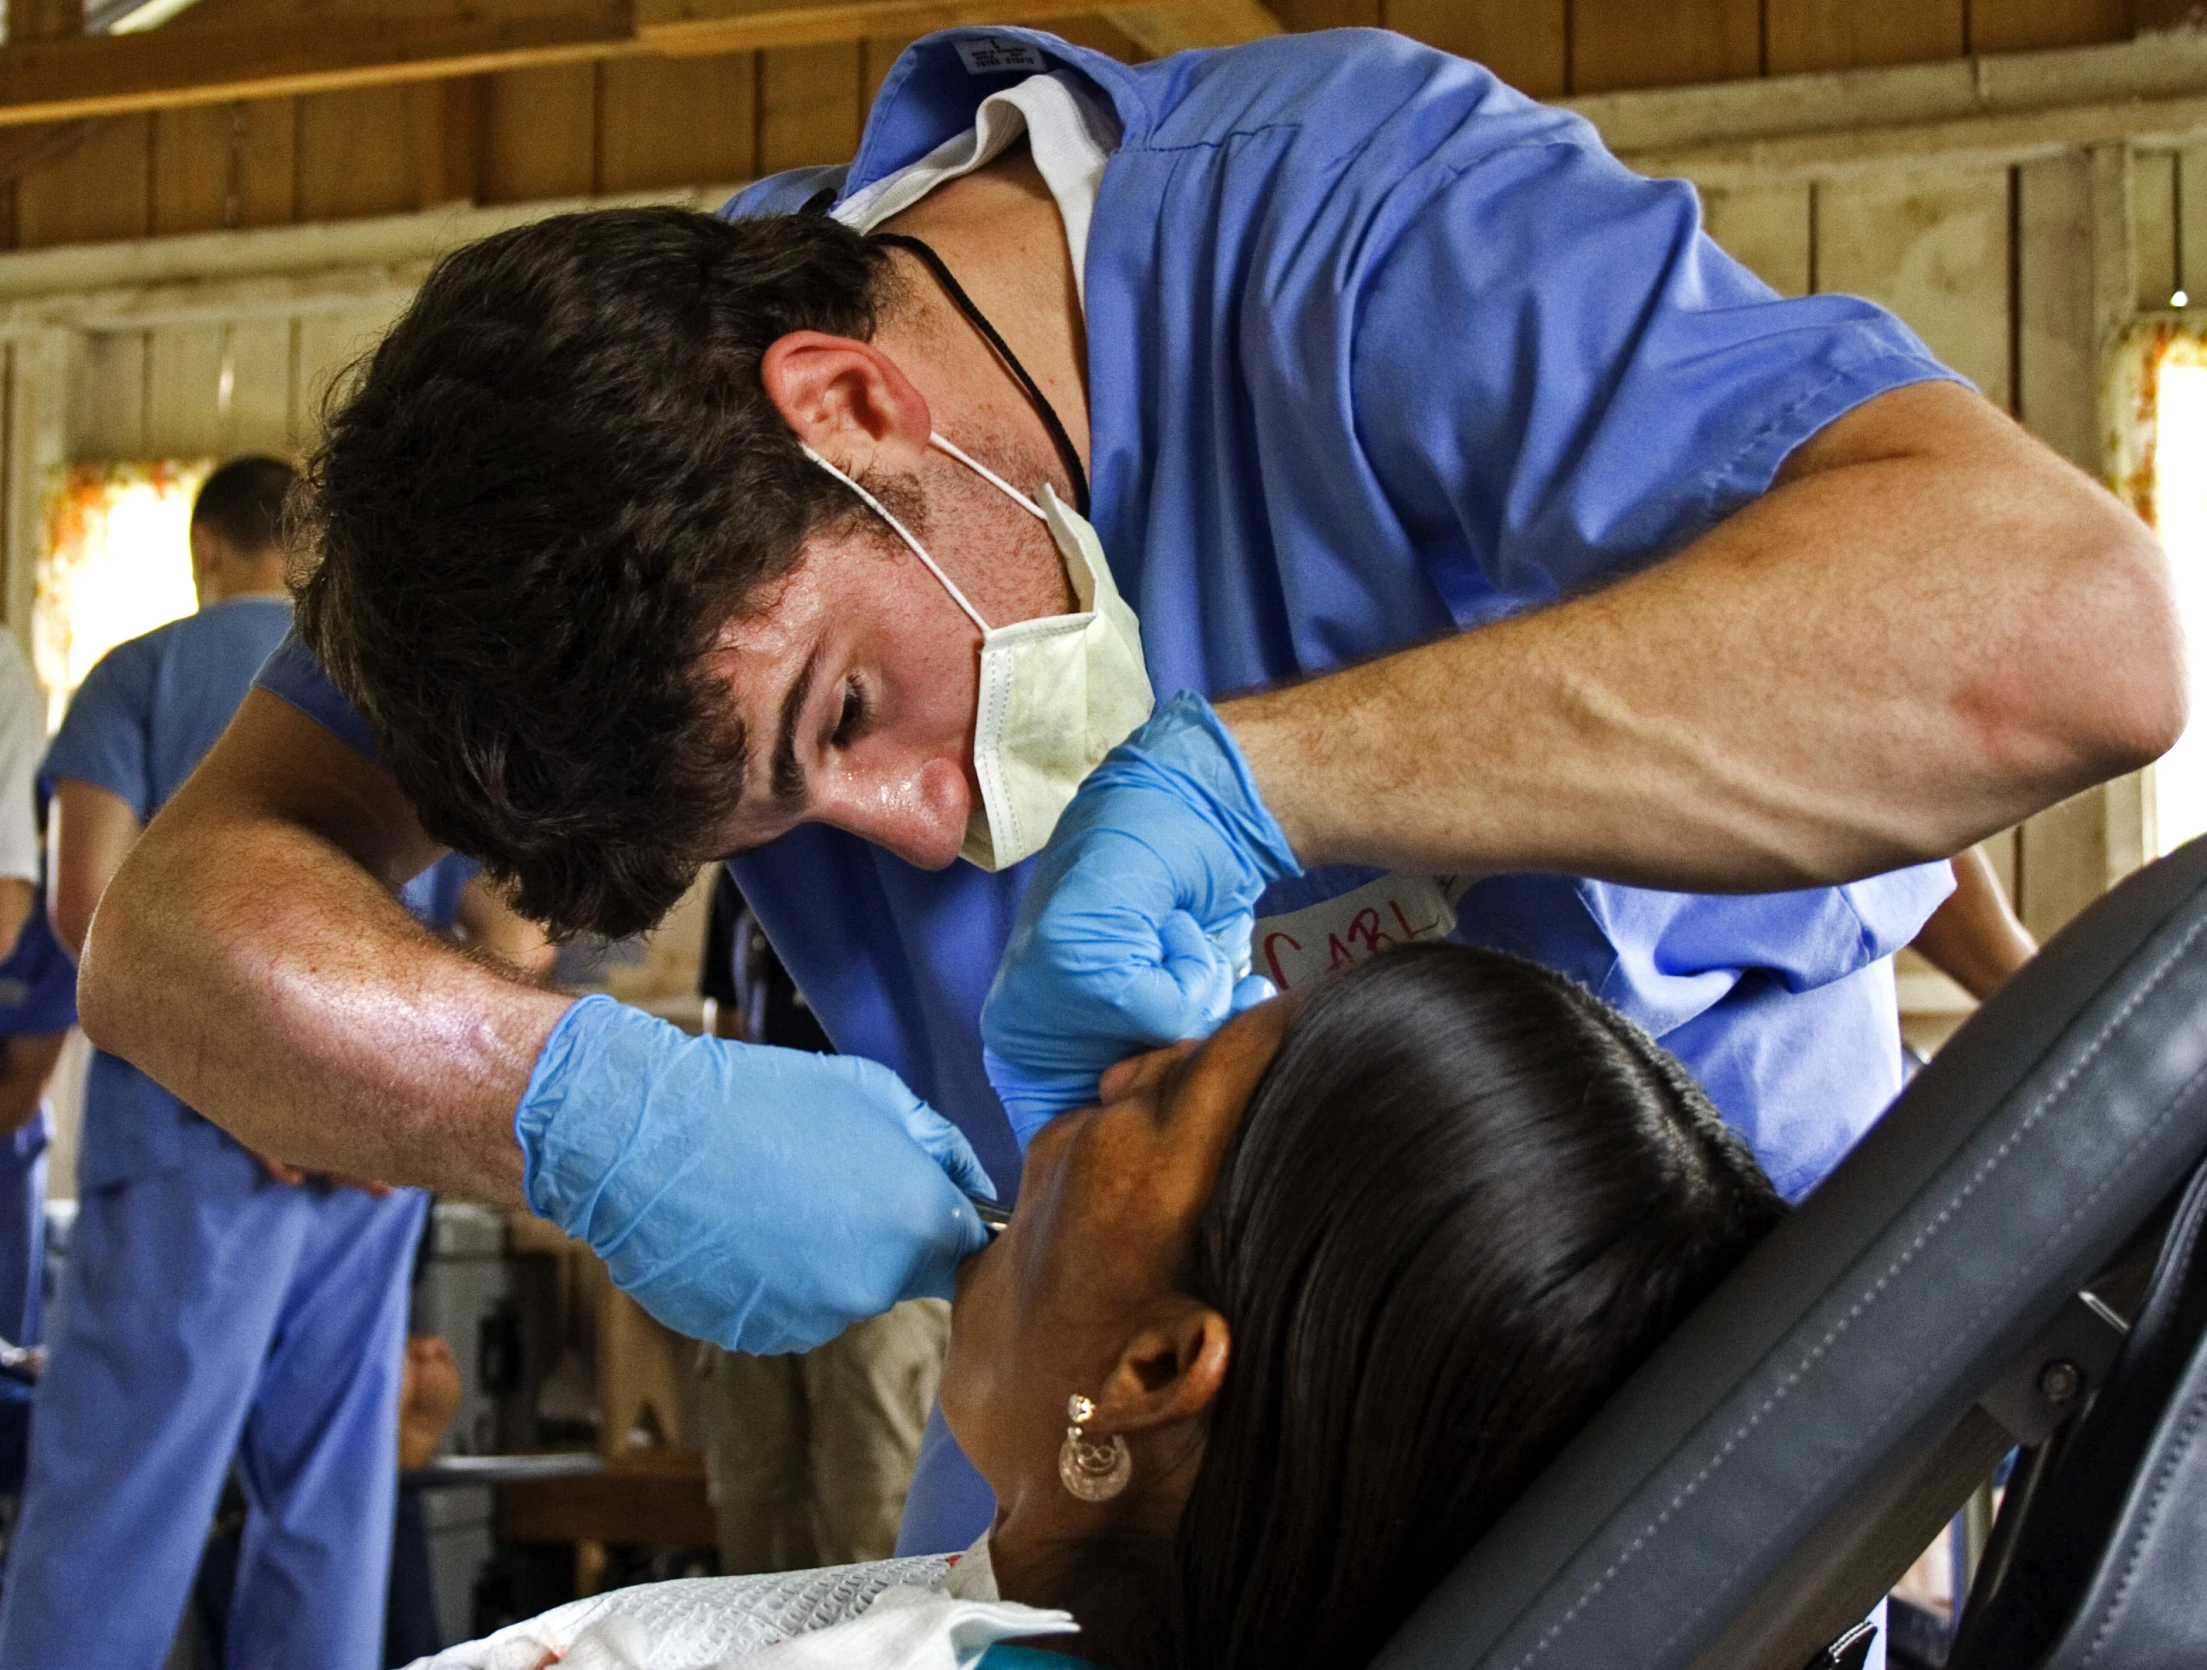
(808, 1458)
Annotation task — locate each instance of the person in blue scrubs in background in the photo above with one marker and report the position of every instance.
(1499, 557)
(213, 1304)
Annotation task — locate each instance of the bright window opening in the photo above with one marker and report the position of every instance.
(2161, 468)
(116, 562)
(2180, 512)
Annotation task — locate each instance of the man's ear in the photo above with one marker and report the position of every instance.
(844, 398)
(207, 554)
(1169, 1371)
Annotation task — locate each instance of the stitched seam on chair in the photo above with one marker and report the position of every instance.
(1992, 1162)
(2155, 1506)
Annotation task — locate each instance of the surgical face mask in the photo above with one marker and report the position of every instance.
(1057, 694)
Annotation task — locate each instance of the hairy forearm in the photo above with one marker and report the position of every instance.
(1897, 651)
(254, 966)
(293, 1002)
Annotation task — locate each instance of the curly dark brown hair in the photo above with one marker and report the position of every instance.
(536, 502)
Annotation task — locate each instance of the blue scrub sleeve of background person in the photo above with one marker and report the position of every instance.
(292, 673)
(102, 740)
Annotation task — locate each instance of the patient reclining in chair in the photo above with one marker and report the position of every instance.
(1275, 1334)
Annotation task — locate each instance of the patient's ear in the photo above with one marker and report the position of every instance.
(1169, 1371)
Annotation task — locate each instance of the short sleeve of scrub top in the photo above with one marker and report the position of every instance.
(292, 673)
(103, 739)
(1603, 383)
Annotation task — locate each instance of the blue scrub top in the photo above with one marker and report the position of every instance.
(434, 895)
(1381, 349)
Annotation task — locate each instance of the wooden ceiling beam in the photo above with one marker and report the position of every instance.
(1162, 30)
(71, 79)
(108, 75)
(689, 28)
(734, 25)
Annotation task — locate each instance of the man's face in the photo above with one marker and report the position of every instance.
(855, 675)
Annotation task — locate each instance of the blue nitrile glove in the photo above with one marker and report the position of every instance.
(761, 1198)
(1135, 928)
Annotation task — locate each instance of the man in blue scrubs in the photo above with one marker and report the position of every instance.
(213, 1305)
(1585, 587)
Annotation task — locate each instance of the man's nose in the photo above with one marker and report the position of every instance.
(918, 813)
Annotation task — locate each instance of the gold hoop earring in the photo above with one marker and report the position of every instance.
(1093, 1472)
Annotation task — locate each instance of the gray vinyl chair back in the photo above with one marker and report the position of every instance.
(1772, 1470)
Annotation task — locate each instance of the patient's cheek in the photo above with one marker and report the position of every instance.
(963, 1391)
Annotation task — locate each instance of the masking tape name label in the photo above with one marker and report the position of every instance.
(990, 56)
(1295, 948)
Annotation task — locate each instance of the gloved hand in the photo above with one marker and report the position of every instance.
(761, 1198)
(1135, 928)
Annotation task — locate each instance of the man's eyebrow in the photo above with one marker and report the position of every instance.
(789, 777)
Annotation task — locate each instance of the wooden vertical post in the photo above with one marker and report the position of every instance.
(646, 1378)
(35, 20)
(37, 421)
(2057, 358)
(2114, 243)
(448, 117)
(2127, 802)
(2075, 302)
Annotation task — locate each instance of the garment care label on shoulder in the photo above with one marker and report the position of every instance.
(992, 56)
(1295, 948)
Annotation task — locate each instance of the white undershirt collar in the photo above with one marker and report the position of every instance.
(1071, 134)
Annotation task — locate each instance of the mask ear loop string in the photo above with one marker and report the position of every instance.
(979, 321)
(988, 475)
(902, 532)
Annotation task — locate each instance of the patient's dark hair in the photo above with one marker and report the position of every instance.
(534, 506)
(1465, 1202)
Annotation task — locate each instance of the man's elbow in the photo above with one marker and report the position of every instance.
(2092, 683)
(2141, 697)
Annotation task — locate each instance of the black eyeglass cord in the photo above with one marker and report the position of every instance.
(979, 321)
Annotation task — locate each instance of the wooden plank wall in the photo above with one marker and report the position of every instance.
(635, 125)
(193, 391)
(641, 125)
